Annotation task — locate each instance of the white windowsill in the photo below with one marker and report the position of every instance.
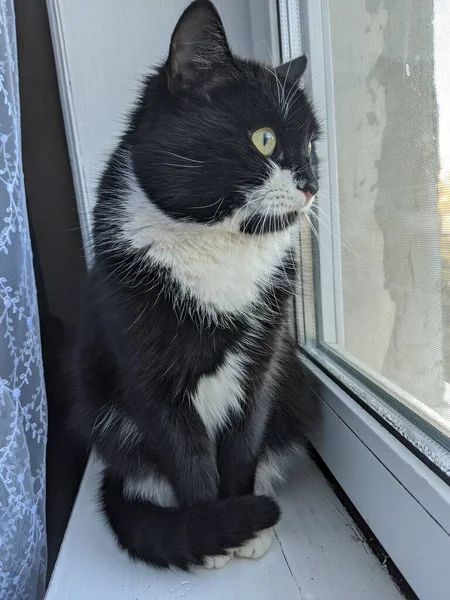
(406, 505)
(319, 553)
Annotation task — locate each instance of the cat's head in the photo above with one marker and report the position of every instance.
(218, 139)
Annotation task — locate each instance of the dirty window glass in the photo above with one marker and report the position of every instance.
(389, 264)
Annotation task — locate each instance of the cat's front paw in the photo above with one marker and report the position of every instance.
(216, 562)
(258, 546)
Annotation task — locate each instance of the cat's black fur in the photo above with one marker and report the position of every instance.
(145, 342)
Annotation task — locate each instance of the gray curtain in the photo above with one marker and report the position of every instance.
(23, 409)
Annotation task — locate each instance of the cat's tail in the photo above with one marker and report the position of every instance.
(184, 537)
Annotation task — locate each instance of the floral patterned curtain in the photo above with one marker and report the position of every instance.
(23, 410)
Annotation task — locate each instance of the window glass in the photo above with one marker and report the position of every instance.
(385, 276)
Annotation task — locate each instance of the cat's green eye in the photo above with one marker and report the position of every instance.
(265, 140)
(309, 147)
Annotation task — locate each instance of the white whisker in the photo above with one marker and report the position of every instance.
(180, 156)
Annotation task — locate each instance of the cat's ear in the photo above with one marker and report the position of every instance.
(199, 49)
(293, 69)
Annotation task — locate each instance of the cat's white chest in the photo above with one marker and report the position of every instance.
(225, 273)
(220, 268)
(221, 394)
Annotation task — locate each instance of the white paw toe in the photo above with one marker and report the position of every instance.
(216, 562)
(258, 546)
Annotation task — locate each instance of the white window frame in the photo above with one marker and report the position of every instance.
(405, 503)
(302, 30)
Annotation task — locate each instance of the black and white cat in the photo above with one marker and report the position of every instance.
(188, 384)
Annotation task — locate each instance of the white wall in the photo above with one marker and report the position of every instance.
(103, 48)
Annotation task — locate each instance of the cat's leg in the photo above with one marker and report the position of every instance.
(238, 451)
(285, 439)
(239, 447)
(261, 543)
(291, 425)
(272, 470)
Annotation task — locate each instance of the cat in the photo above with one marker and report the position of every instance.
(189, 386)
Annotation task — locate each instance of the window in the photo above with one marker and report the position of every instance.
(373, 308)
(380, 260)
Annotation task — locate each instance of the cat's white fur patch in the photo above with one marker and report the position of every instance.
(258, 546)
(254, 548)
(129, 433)
(112, 418)
(279, 193)
(273, 468)
(151, 488)
(222, 268)
(216, 562)
(106, 420)
(219, 395)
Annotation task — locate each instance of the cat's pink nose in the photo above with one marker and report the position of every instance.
(308, 195)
